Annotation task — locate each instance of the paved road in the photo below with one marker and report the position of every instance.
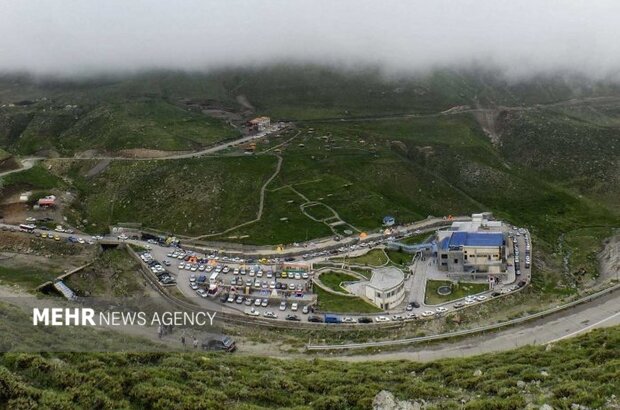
(27, 163)
(602, 312)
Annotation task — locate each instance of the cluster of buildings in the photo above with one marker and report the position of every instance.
(259, 124)
(473, 249)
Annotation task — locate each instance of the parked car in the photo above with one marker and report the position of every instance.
(269, 314)
(252, 312)
(293, 318)
(428, 313)
(364, 320)
(294, 306)
(382, 319)
(315, 319)
(222, 343)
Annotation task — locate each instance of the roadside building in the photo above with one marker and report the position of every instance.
(47, 202)
(386, 288)
(259, 124)
(476, 247)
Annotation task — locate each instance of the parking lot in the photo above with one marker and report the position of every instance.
(256, 288)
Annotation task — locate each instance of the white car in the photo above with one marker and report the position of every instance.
(304, 275)
(348, 319)
(442, 309)
(202, 293)
(252, 312)
(297, 276)
(270, 314)
(122, 236)
(294, 306)
(192, 278)
(428, 313)
(480, 298)
(397, 317)
(282, 305)
(469, 301)
(257, 302)
(382, 319)
(193, 286)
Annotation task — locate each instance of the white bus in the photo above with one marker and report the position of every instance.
(27, 228)
(213, 278)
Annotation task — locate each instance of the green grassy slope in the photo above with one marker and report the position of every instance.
(148, 110)
(191, 196)
(583, 371)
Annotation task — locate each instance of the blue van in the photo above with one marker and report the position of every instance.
(332, 319)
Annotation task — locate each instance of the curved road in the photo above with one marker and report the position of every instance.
(602, 312)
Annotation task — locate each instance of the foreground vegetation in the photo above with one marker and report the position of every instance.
(583, 371)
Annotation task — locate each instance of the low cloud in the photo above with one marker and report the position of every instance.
(73, 37)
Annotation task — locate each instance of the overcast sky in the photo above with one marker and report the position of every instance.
(76, 36)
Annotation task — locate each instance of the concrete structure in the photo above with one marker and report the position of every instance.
(386, 287)
(259, 124)
(389, 221)
(475, 248)
(25, 196)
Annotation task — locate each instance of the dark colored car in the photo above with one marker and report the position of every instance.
(415, 304)
(294, 318)
(364, 320)
(289, 259)
(221, 343)
(521, 284)
(315, 319)
(224, 297)
(495, 294)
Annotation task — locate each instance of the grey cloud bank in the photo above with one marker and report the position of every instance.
(73, 37)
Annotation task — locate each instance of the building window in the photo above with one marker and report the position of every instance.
(465, 257)
(444, 256)
(456, 261)
(378, 294)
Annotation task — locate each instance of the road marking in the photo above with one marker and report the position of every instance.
(583, 329)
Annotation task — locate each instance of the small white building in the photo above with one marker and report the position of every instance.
(25, 196)
(386, 288)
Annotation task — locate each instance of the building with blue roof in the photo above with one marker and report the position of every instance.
(475, 253)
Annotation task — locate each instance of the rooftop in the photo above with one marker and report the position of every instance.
(458, 239)
(386, 278)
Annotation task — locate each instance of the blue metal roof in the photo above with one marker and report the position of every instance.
(459, 239)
